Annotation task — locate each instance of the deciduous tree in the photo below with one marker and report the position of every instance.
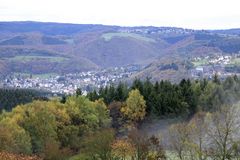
(135, 108)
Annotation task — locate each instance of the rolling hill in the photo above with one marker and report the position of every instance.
(167, 68)
(40, 48)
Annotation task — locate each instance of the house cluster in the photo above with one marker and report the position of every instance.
(208, 66)
(156, 30)
(68, 83)
(221, 60)
(209, 71)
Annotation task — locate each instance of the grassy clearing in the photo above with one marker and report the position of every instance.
(235, 61)
(33, 58)
(42, 76)
(109, 36)
(200, 63)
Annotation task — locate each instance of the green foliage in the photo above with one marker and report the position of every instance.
(166, 99)
(10, 98)
(98, 145)
(79, 92)
(116, 115)
(52, 129)
(36, 58)
(135, 108)
(55, 129)
(41, 123)
(14, 138)
(110, 93)
(86, 114)
(79, 157)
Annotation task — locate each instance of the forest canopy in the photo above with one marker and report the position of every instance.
(109, 120)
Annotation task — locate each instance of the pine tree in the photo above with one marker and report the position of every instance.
(79, 92)
(216, 79)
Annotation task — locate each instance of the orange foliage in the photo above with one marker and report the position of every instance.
(123, 148)
(10, 156)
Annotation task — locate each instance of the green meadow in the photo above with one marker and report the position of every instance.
(109, 36)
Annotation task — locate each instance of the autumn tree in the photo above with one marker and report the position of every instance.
(98, 144)
(141, 144)
(123, 149)
(156, 150)
(135, 108)
(41, 125)
(50, 128)
(14, 138)
(116, 114)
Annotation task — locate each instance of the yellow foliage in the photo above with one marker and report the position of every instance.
(135, 108)
(122, 149)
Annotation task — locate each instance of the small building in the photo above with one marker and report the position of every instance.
(199, 69)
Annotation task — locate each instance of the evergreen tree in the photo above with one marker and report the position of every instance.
(92, 95)
(79, 92)
(121, 92)
(63, 99)
(147, 91)
(137, 84)
(216, 79)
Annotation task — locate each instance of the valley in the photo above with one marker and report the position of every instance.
(119, 80)
(45, 48)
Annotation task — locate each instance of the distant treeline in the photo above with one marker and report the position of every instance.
(165, 99)
(10, 98)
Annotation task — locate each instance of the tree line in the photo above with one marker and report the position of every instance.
(167, 99)
(9, 98)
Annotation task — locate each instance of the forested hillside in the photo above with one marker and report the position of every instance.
(55, 48)
(110, 119)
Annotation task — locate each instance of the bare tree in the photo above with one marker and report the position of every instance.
(179, 136)
(198, 127)
(146, 147)
(224, 133)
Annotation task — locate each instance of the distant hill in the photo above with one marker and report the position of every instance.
(228, 31)
(39, 48)
(50, 28)
(167, 68)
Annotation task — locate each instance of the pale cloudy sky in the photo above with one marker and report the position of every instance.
(196, 14)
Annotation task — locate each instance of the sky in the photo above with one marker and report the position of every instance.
(194, 14)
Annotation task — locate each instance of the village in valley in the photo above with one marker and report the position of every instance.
(222, 65)
(202, 67)
(68, 83)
